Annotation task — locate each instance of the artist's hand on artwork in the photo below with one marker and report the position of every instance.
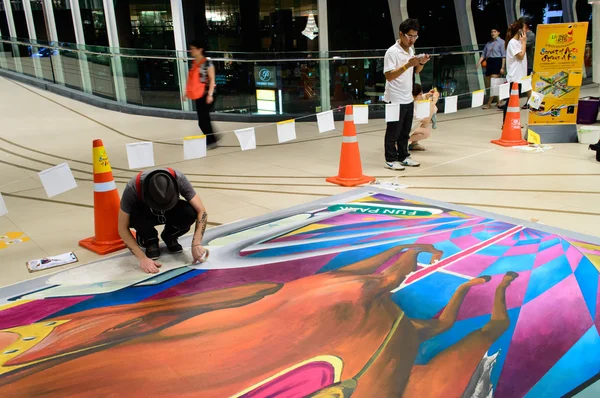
(150, 266)
(198, 253)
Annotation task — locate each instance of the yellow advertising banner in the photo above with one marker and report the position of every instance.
(558, 71)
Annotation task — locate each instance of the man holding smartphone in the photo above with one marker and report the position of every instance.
(400, 63)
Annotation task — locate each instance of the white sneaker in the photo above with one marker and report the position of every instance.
(394, 165)
(410, 163)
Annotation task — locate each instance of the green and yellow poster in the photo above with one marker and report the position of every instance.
(558, 72)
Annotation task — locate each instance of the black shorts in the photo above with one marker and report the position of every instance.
(493, 66)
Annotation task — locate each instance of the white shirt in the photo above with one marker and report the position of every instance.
(515, 69)
(399, 90)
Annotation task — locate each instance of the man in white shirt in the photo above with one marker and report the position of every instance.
(399, 65)
(516, 57)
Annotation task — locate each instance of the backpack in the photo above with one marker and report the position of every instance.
(195, 88)
(138, 182)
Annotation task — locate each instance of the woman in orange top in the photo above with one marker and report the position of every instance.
(201, 88)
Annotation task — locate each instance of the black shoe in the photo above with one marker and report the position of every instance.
(151, 246)
(172, 245)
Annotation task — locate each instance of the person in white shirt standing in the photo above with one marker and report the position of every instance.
(516, 56)
(400, 64)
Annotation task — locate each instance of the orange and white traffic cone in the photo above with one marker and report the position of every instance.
(511, 132)
(350, 173)
(106, 206)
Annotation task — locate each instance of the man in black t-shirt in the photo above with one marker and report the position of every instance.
(153, 198)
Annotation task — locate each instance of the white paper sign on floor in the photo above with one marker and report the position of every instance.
(247, 138)
(194, 147)
(325, 121)
(504, 91)
(286, 130)
(451, 104)
(535, 101)
(140, 155)
(526, 84)
(392, 112)
(422, 109)
(57, 179)
(477, 99)
(495, 85)
(361, 114)
(3, 209)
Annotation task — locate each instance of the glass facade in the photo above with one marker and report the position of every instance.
(488, 15)
(542, 11)
(94, 22)
(248, 37)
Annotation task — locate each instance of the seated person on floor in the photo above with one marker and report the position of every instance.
(421, 128)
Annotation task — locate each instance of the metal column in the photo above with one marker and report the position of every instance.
(12, 32)
(113, 43)
(180, 49)
(80, 38)
(569, 14)
(59, 74)
(3, 63)
(510, 6)
(37, 65)
(596, 44)
(324, 72)
(398, 13)
(468, 39)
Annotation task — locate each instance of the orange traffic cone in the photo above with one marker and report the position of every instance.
(106, 206)
(511, 132)
(350, 173)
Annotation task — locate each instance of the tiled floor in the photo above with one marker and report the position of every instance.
(560, 187)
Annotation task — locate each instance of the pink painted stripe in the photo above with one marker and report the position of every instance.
(447, 261)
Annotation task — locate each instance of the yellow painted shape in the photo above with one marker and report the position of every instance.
(309, 228)
(458, 214)
(336, 362)
(29, 337)
(588, 246)
(101, 163)
(12, 238)
(366, 199)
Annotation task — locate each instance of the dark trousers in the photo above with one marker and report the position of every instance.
(397, 135)
(203, 110)
(505, 106)
(177, 221)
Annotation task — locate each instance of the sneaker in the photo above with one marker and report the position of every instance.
(394, 165)
(410, 163)
(416, 147)
(151, 246)
(172, 245)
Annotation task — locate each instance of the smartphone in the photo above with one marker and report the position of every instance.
(521, 33)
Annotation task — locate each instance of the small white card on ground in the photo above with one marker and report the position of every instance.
(3, 209)
(286, 130)
(140, 155)
(451, 104)
(247, 138)
(495, 85)
(194, 147)
(361, 114)
(392, 112)
(51, 262)
(504, 91)
(422, 109)
(477, 99)
(535, 101)
(325, 121)
(57, 179)
(526, 84)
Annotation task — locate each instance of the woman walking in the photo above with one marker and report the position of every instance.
(201, 88)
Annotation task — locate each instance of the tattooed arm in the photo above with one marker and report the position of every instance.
(197, 248)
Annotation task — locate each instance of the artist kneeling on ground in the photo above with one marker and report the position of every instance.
(152, 198)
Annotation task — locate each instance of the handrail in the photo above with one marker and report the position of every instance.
(308, 59)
